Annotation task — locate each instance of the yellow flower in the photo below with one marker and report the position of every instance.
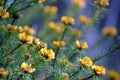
(86, 61)
(15, 28)
(110, 31)
(59, 43)
(36, 41)
(43, 51)
(99, 70)
(51, 9)
(22, 36)
(102, 2)
(41, 1)
(68, 20)
(51, 54)
(31, 31)
(3, 72)
(81, 45)
(55, 27)
(26, 28)
(27, 68)
(64, 76)
(47, 53)
(80, 3)
(84, 20)
(29, 39)
(5, 15)
(54, 9)
(77, 32)
(20, 29)
(114, 75)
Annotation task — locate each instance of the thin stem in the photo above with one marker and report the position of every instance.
(58, 48)
(76, 72)
(28, 6)
(9, 52)
(37, 62)
(71, 57)
(108, 53)
(87, 78)
(93, 20)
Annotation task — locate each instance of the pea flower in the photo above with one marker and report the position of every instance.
(27, 68)
(86, 61)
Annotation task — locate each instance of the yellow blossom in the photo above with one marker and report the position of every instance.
(22, 36)
(26, 28)
(27, 68)
(15, 28)
(43, 51)
(99, 70)
(81, 45)
(51, 54)
(36, 41)
(59, 43)
(3, 72)
(114, 75)
(41, 1)
(64, 76)
(80, 3)
(51, 9)
(20, 29)
(65, 62)
(84, 20)
(110, 31)
(31, 31)
(102, 2)
(68, 20)
(77, 32)
(55, 27)
(86, 61)
(3, 13)
(47, 53)
(29, 39)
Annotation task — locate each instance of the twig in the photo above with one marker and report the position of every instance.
(76, 72)
(108, 53)
(87, 78)
(57, 51)
(9, 52)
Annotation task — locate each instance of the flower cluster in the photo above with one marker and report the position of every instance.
(81, 45)
(49, 54)
(76, 32)
(3, 72)
(27, 68)
(99, 70)
(14, 28)
(3, 13)
(59, 43)
(114, 75)
(41, 1)
(102, 2)
(28, 30)
(68, 20)
(28, 39)
(110, 31)
(84, 20)
(87, 62)
(80, 3)
(55, 27)
(51, 9)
